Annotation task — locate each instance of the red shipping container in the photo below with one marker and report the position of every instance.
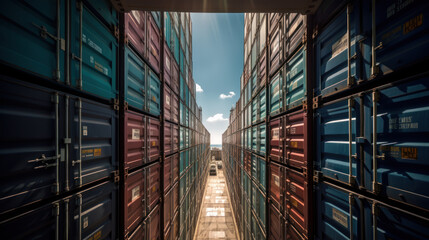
(138, 234)
(174, 108)
(153, 185)
(153, 224)
(293, 234)
(135, 31)
(175, 227)
(276, 137)
(154, 54)
(167, 234)
(167, 65)
(297, 204)
(296, 140)
(277, 222)
(262, 70)
(175, 197)
(167, 209)
(175, 76)
(134, 199)
(168, 106)
(276, 188)
(175, 138)
(167, 173)
(248, 162)
(168, 138)
(153, 138)
(175, 168)
(134, 130)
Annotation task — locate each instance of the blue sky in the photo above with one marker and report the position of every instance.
(218, 63)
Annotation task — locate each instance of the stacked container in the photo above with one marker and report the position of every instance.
(303, 154)
(59, 118)
(92, 116)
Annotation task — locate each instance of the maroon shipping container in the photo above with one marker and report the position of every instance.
(295, 27)
(293, 234)
(175, 76)
(153, 138)
(134, 130)
(274, 19)
(175, 198)
(167, 65)
(295, 140)
(167, 234)
(135, 31)
(168, 138)
(297, 200)
(276, 188)
(153, 185)
(276, 48)
(248, 162)
(175, 138)
(138, 234)
(153, 224)
(175, 227)
(175, 108)
(168, 173)
(175, 168)
(154, 54)
(168, 203)
(262, 70)
(134, 199)
(277, 223)
(168, 106)
(276, 139)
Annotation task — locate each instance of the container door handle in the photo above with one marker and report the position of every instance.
(375, 184)
(79, 161)
(375, 69)
(351, 104)
(374, 220)
(351, 201)
(56, 213)
(79, 202)
(350, 78)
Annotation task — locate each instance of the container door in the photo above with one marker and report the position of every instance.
(276, 48)
(134, 210)
(276, 227)
(139, 233)
(154, 225)
(276, 142)
(255, 110)
(276, 185)
(401, 144)
(167, 173)
(337, 156)
(175, 108)
(168, 106)
(297, 204)
(276, 93)
(135, 30)
(30, 153)
(94, 67)
(154, 94)
(153, 185)
(296, 80)
(153, 139)
(295, 28)
(93, 213)
(296, 140)
(28, 43)
(168, 138)
(135, 80)
(262, 139)
(167, 62)
(167, 210)
(93, 136)
(154, 44)
(254, 139)
(135, 145)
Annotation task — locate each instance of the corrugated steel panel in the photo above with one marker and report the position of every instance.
(297, 204)
(135, 139)
(276, 188)
(97, 74)
(89, 127)
(134, 209)
(175, 138)
(154, 43)
(135, 80)
(296, 140)
(153, 138)
(168, 175)
(153, 174)
(168, 106)
(168, 207)
(276, 94)
(295, 32)
(86, 214)
(154, 94)
(135, 31)
(167, 28)
(174, 108)
(276, 48)
(176, 197)
(276, 141)
(277, 224)
(167, 65)
(296, 81)
(153, 224)
(168, 138)
(138, 234)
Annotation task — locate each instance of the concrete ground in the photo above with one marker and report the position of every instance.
(216, 220)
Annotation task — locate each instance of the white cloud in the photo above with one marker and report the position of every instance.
(217, 118)
(198, 88)
(230, 95)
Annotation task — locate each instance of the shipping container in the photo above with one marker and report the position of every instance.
(295, 150)
(297, 202)
(134, 209)
(135, 31)
(135, 140)
(153, 188)
(154, 43)
(74, 143)
(87, 214)
(153, 139)
(277, 224)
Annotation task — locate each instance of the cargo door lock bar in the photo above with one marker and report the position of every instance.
(375, 69)
(375, 184)
(351, 104)
(350, 78)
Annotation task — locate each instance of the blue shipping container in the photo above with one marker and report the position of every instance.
(91, 213)
(135, 80)
(296, 80)
(69, 143)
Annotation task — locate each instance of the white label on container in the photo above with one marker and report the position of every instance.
(85, 131)
(136, 15)
(167, 63)
(135, 134)
(135, 193)
(339, 46)
(340, 217)
(276, 180)
(275, 133)
(85, 222)
(167, 100)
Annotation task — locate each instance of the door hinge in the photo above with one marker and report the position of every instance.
(116, 104)
(116, 177)
(317, 176)
(317, 102)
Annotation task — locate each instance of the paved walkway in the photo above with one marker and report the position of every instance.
(216, 220)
